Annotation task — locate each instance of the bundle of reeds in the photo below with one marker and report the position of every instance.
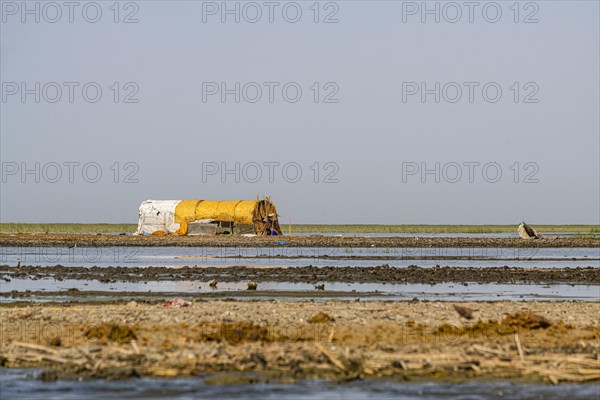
(264, 218)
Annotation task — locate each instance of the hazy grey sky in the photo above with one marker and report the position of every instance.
(370, 130)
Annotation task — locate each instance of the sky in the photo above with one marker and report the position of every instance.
(355, 112)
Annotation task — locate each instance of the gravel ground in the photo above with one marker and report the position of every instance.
(287, 341)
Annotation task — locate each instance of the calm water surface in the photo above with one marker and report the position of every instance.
(22, 384)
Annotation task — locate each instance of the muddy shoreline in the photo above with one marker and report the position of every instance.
(310, 274)
(293, 335)
(100, 240)
(290, 341)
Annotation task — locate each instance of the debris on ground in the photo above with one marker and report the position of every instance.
(177, 303)
(526, 319)
(320, 318)
(112, 332)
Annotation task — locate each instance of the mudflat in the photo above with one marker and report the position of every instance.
(310, 274)
(102, 240)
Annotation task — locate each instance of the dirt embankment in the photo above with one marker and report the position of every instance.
(82, 240)
(310, 274)
(555, 342)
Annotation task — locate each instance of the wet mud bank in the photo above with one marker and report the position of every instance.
(310, 274)
(99, 240)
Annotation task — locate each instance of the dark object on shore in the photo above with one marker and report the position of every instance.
(527, 232)
(464, 312)
(526, 319)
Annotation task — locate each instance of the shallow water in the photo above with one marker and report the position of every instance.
(293, 256)
(21, 384)
(316, 256)
(375, 291)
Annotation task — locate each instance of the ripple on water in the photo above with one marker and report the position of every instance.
(22, 384)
